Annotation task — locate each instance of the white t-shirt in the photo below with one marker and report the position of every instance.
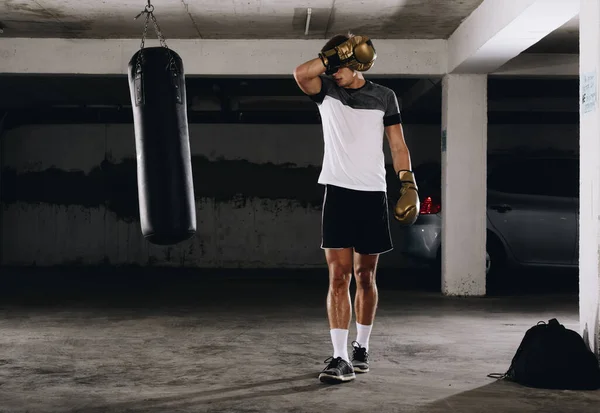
(353, 132)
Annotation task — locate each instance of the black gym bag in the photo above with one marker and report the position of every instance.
(551, 356)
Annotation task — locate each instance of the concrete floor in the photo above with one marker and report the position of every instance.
(181, 341)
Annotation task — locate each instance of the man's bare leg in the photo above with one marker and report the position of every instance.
(339, 312)
(339, 303)
(366, 299)
(365, 304)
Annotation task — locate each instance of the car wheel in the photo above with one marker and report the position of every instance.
(495, 261)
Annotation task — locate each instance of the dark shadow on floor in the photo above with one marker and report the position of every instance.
(505, 397)
(203, 399)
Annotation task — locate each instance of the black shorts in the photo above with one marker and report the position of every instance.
(355, 219)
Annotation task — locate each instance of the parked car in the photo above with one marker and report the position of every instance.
(532, 213)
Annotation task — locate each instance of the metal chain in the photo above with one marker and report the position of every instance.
(138, 63)
(159, 34)
(149, 11)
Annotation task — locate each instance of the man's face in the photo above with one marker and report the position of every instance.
(344, 77)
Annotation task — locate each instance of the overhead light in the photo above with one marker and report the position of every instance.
(308, 13)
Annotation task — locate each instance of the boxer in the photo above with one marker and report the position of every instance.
(356, 114)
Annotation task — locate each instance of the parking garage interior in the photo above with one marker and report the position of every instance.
(97, 319)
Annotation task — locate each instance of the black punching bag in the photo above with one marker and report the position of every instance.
(164, 168)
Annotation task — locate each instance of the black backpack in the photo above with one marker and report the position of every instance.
(551, 356)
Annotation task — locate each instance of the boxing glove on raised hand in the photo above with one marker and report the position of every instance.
(407, 208)
(358, 53)
(361, 67)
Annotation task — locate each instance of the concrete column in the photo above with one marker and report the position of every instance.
(464, 164)
(589, 192)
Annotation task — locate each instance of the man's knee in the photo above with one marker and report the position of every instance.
(339, 275)
(365, 277)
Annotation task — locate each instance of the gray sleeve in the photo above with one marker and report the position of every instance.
(326, 85)
(392, 110)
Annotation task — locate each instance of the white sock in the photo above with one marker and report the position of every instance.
(363, 333)
(339, 338)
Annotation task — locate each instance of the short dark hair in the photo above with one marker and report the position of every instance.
(336, 40)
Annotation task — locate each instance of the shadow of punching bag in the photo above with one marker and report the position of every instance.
(164, 168)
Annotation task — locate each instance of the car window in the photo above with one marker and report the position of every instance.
(550, 177)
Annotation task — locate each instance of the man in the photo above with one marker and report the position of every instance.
(356, 113)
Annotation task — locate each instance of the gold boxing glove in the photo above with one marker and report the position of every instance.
(357, 53)
(361, 67)
(408, 205)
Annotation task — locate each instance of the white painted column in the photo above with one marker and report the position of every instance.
(464, 165)
(589, 193)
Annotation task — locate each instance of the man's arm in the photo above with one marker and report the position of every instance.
(398, 149)
(407, 207)
(307, 76)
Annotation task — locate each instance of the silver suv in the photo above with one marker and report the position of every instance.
(532, 213)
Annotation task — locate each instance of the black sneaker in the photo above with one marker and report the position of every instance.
(360, 358)
(337, 371)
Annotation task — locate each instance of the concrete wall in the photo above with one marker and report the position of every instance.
(69, 193)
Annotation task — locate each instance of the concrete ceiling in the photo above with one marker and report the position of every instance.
(249, 19)
(254, 19)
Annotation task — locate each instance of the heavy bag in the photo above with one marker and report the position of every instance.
(164, 168)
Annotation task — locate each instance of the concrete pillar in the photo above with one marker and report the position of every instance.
(464, 164)
(589, 192)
